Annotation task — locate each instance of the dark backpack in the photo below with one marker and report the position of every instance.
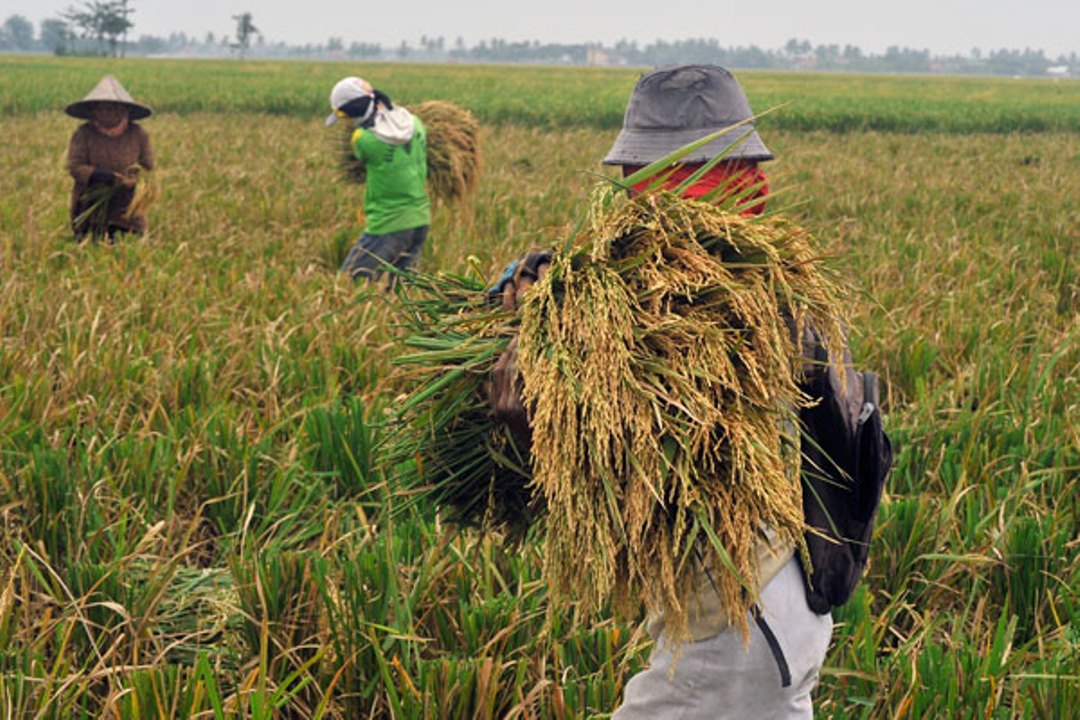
(846, 457)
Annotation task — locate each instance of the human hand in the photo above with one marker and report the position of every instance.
(518, 277)
(504, 393)
(504, 390)
(101, 176)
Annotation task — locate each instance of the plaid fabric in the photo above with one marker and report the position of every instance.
(733, 175)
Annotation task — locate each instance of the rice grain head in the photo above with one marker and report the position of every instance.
(455, 161)
(661, 376)
(145, 194)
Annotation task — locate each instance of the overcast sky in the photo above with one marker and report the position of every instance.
(941, 26)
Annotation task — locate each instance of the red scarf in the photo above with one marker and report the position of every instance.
(732, 175)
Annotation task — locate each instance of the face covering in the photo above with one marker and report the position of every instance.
(734, 176)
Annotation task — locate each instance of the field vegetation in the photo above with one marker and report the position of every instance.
(556, 96)
(194, 500)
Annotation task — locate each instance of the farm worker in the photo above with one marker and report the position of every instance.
(717, 674)
(105, 156)
(391, 144)
(673, 107)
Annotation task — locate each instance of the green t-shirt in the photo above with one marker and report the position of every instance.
(396, 197)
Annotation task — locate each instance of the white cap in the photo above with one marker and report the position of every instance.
(347, 90)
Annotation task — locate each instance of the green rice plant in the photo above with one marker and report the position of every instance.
(338, 248)
(840, 103)
(282, 610)
(851, 679)
(1033, 562)
(359, 593)
(342, 444)
(49, 491)
(906, 533)
(163, 692)
(109, 604)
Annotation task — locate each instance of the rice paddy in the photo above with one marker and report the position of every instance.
(195, 516)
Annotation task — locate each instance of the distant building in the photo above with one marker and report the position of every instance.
(596, 56)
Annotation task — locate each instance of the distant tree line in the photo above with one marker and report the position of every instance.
(101, 27)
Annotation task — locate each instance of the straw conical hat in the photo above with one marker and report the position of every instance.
(108, 90)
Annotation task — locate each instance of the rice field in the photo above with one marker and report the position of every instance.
(195, 516)
(553, 96)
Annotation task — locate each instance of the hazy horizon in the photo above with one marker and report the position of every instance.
(944, 27)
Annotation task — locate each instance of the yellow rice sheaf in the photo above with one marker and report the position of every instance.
(661, 377)
(454, 156)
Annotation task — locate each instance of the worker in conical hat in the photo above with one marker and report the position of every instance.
(105, 156)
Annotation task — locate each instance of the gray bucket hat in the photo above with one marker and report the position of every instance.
(108, 90)
(674, 106)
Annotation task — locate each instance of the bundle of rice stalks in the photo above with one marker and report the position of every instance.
(352, 170)
(98, 201)
(663, 387)
(200, 613)
(661, 370)
(93, 215)
(454, 159)
(144, 194)
(453, 149)
(452, 451)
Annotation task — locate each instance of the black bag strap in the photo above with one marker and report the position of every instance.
(774, 646)
(767, 633)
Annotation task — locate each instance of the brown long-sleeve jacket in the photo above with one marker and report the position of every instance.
(89, 149)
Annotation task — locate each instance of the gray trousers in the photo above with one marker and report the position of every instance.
(719, 678)
(400, 249)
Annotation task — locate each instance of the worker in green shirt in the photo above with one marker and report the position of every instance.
(391, 145)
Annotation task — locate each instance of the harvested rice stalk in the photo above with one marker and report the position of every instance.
(97, 201)
(663, 387)
(660, 377)
(93, 217)
(352, 170)
(453, 149)
(144, 195)
(453, 452)
(200, 613)
(454, 159)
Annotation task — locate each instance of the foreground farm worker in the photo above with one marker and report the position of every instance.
(719, 673)
(391, 144)
(105, 156)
